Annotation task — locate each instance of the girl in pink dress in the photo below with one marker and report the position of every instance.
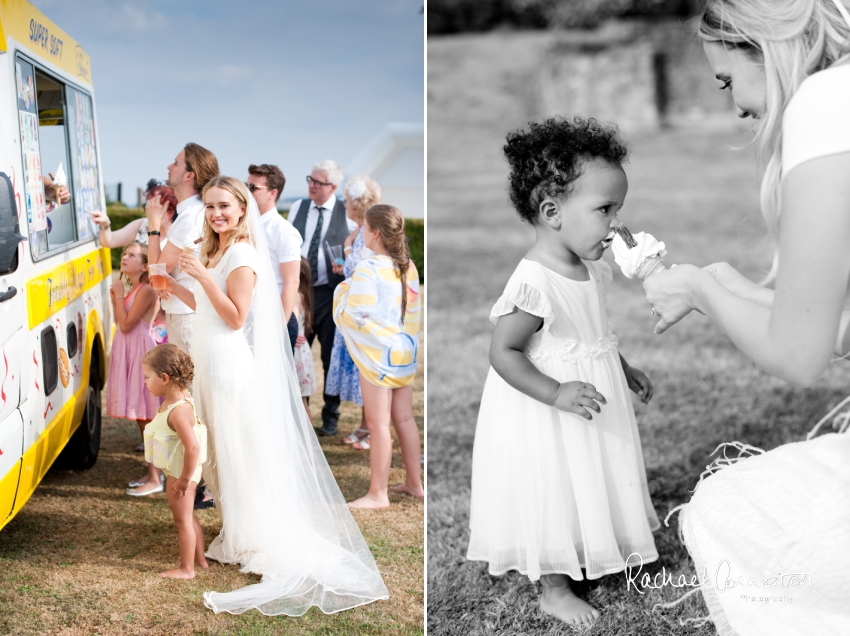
(126, 394)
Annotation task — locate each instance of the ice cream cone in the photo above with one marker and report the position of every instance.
(190, 247)
(649, 267)
(60, 179)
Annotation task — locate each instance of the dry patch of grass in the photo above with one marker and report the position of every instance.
(82, 558)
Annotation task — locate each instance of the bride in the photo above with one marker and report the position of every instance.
(283, 516)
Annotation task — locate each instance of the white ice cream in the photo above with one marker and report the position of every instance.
(190, 245)
(632, 260)
(60, 178)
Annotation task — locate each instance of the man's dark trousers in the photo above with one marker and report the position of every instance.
(323, 329)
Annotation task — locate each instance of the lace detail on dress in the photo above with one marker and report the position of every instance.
(572, 350)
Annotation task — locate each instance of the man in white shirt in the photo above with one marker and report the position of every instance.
(322, 219)
(266, 183)
(193, 167)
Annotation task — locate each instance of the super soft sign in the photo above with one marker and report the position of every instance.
(40, 37)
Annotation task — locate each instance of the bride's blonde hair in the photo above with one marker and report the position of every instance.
(211, 243)
(793, 39)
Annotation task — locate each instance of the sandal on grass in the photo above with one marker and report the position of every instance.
(363, 444)
(353, 438)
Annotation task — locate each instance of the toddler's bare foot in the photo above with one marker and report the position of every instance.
(559, 601)
(413, 491)
(177, 573)
(202, 563)
(370, 502)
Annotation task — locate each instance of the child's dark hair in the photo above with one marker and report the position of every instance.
(305, 290)
(173, 361)
(549, 156)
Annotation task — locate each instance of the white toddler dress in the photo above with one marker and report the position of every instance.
(552, 492)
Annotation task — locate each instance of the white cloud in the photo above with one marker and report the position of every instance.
(127, 17)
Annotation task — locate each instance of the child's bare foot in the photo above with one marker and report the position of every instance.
(370, 502)
(202, 563)
(413, 491)
(177, 573)
(559, 601)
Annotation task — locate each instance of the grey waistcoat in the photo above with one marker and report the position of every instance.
(336, 234)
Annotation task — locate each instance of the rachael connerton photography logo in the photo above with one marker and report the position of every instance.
(723, 580)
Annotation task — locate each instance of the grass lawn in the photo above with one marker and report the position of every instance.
(687, 188)
(82, 558)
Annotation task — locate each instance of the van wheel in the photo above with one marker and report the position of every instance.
(80, 453)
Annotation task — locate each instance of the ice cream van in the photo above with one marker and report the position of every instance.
(55, 320)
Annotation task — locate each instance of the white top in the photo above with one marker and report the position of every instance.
(816, 122)
(236, 256)
(284, 242)
(189, 223)
(310, 227)
(239, 255)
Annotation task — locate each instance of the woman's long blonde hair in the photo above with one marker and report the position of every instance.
(211, 243)
(389, 223)
(793, 39)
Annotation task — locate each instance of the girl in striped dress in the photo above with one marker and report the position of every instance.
(378, 312)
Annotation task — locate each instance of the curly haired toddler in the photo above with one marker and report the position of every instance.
(559, 487)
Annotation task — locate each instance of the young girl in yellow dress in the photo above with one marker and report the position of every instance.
(176, 443)
(377, 310)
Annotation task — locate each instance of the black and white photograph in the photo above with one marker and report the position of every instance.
(638, 229)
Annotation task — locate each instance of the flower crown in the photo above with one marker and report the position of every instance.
(356, 189)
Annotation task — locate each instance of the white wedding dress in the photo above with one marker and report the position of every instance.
(769, 534)
(283, 515)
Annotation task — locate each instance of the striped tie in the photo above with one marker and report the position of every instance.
(313, 252)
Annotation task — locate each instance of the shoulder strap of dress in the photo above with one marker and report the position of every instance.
(842, 10)
(191, 400)
(132, 293)
(178, 403)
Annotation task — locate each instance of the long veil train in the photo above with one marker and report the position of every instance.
(284, 516)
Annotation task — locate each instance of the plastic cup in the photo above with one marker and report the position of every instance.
(157, 274)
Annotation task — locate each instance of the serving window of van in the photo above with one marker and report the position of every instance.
(61, 180)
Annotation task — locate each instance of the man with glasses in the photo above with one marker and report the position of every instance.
(266, 183)
(321, 220)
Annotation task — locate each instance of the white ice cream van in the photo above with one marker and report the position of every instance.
(55, 320)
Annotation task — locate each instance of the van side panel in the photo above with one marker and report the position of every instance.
(11, 442)
(56, 288)
(38, 458)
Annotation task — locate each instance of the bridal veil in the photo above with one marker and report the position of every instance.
(284, 512)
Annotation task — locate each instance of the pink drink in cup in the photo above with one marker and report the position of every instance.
(157, 274)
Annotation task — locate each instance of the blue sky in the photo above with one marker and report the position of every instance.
(269, 81)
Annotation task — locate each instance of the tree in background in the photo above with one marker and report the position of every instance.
(458, 16)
